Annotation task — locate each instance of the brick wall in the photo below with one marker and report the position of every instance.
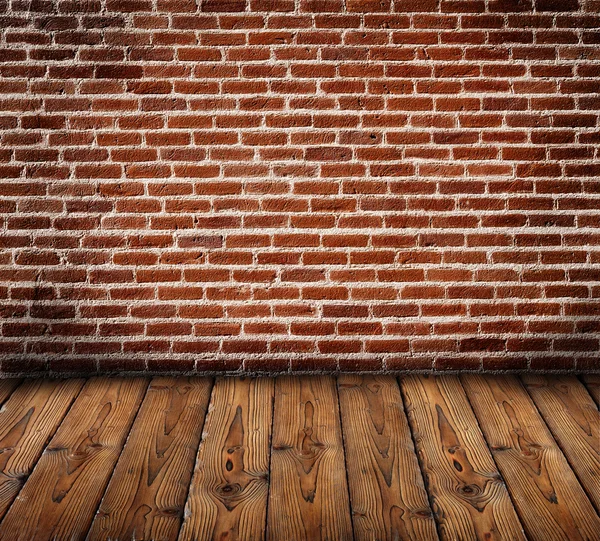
(299, 184)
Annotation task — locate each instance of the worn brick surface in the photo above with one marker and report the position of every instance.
(291, 185)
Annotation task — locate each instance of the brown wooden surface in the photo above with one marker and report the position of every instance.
(300, 458)
(309, 495)
(59, 499)
(228, 494)
(388, 497)
(147, 492)
(574, 421)
(28, 420)
(7, 386)
(469, 498)
(550, 501)
(592, 382)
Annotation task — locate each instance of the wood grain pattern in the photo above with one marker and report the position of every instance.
(542, 431)
(7, 386)
(388, 497)
(470, 500)
(574, 421)
(308, 498)
(146, 495)
(28, 420)
(592, 382)
(228, 494)
(550, 501)
(63, 492)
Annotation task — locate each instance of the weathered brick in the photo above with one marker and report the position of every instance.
(270, 185)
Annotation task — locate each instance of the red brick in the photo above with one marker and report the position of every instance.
(407, 212)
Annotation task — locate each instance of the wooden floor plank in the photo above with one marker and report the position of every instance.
(7, 386)
(146, 495)
(388, 497)
(574, 421)
(592, 382)
(308, 497)
(543, 432)
(550, 501)
(228, 494)
(64, 490)
(470, 500)
(28, 420)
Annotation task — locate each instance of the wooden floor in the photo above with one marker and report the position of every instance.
(316, 458)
